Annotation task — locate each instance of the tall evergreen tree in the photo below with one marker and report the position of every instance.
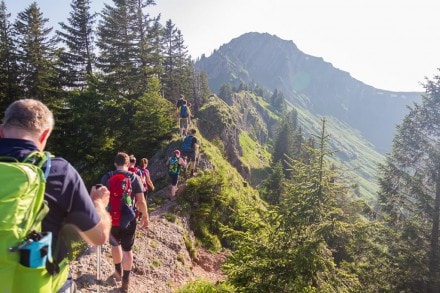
(9, 82)
(123, 43)
(288, 140)
(410, 189)
(153, 120)
(273, 186)
(294, 251)
(36, 55)
(77, 35)
(201, 89)
(178, 68)
(169, 61)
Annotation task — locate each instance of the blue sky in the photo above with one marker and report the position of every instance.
(391, 44)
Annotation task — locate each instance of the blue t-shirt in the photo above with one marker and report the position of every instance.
(70, 205)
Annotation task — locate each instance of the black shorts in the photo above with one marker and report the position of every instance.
(191, 155)
(173, 179)
(123, 237)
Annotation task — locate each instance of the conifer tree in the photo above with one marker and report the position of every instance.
(273, 186)
(410, 189)
(294, 251)
(225, 92)
(201, 89)
(153, 120)
(169, 61)
(77, 35)
(178, 67)
(36, 55)
(9, 82)
(123, 43)
(288, 140)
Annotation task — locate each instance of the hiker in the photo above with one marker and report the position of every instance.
(174, 164)
(145, 176)
(27, 125)
(179, 102)
(132, 167)
(125, 188)
(184, 119)
(189, 149)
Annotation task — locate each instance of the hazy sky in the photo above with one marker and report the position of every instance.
(389, 44)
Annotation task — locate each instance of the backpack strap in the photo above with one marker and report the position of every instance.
(38, 159)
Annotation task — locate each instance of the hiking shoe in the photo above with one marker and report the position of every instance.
(117, 276)
(124, 286)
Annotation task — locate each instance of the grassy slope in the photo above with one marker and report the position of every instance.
(354, 155)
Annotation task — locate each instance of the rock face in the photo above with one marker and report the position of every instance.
(225, 120)
(162, 262)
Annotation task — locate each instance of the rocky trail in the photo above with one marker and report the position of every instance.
(162, 261)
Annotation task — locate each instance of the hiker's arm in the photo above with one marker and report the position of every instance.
(99, 234)
(182, 162)
(141, 205)
(149, 182)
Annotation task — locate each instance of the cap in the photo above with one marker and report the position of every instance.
(177, 153)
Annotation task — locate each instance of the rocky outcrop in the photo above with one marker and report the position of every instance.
(224, 121)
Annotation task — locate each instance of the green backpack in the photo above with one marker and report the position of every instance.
(26, 263)
(173, 166)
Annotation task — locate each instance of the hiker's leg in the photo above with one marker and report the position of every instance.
(173, 190)
(127, 242)
(127, 260)
(117, 254)
(192, 164)
(174, 180)
(182, 126)
(115, 238)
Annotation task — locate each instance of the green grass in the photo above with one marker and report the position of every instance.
(355, 157)
(255, 157)
(202, 286)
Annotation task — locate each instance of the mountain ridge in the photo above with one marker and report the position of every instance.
(308, 82)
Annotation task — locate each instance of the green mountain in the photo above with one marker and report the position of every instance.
(360, 118)
(309, 83)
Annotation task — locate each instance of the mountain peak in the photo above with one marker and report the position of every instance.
(308, 82)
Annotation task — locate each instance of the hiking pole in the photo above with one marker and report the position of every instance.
(98, 268)
(98, 259)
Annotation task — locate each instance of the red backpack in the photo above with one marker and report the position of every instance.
(120, 203)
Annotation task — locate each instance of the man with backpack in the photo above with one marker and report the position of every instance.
(27, 124)
(189, 149)
(184, 119)
(125, 189)
(175, 163)
(179, 102)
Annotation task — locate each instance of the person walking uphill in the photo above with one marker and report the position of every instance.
(27, 125)
(132, 167)
(184, 118)
(179, 102)
(145, 176)
(125, 188)
(189, 149)
(174, 164)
